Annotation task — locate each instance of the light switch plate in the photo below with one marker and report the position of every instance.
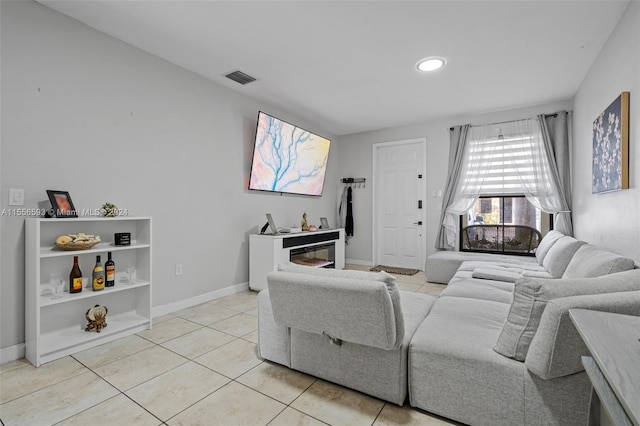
(16, 197)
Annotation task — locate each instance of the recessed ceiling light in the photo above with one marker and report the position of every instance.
(432, 63)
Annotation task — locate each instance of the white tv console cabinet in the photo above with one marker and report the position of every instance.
(323, 248)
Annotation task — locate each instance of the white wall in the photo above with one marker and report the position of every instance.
(86, 113)
(610, 220)
(355, 160)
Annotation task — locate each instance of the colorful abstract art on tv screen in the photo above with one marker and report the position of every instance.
(288, 159)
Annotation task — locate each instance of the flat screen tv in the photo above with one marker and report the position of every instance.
(287, 159)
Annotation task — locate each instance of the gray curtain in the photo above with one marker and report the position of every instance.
(457, 142)
(555, 133)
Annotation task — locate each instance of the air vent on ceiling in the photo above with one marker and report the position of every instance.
(240, 77)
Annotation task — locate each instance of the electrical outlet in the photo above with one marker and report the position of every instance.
(16, 197)
(178, 268)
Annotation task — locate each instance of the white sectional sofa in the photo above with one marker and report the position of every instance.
(496, 348)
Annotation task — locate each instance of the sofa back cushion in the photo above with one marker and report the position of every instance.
(546, 243)
(381, 276)
(592, 261)
(354, 310)
(531, 296)
(560, 254)
(557, 348)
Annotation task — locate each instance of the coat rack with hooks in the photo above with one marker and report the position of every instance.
(354, 182)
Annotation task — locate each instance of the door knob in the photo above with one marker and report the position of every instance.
(418, 222)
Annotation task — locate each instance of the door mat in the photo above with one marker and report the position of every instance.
(394, 270)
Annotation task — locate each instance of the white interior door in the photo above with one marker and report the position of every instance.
(399, 203)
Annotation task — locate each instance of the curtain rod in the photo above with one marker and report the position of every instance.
(555, 114)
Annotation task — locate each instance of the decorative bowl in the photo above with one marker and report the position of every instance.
(80, 245)
(80, 241)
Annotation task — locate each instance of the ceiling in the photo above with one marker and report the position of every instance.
(349, 66)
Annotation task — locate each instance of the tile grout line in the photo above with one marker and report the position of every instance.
(85, 368)
(301, 393)
(114, 396)
(49, 385)
(204, 397)
(171, 369)
(188, 359)
(379, 412)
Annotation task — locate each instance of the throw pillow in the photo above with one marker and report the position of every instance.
(546, 243)
(559, 256)
(496, 274)
(531, 295)
(536, 274)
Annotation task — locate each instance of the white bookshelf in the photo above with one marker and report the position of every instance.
(55, 327)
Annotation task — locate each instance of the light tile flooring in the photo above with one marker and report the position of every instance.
(198, 366)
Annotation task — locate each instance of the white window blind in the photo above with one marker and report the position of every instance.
(500, 160)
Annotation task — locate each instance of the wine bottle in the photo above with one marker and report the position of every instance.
(75, 277)
(110, 268)
(98, 275)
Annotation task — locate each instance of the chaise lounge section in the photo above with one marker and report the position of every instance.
(457, 371)
(498, 347)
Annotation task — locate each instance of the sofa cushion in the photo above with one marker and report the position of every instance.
(377, 372)
(592, 261)
(546, 243)
(496, 274)
(358, 311)
(557, 348)
(453, 371)
(337, 273)
(381, 276)
(441, 266)
(274, 340)
(531, 296)
(479, 289)
(560, 254)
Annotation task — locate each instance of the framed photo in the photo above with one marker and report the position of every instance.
(610, 161)
(61, 204)
(324, 223)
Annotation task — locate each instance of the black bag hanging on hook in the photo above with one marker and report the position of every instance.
(349, 222)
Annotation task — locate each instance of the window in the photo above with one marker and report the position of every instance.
(507, 224)
(504, 160)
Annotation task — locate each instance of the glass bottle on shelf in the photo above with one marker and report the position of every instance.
(98, 276)
(110, 271)
(75, 277)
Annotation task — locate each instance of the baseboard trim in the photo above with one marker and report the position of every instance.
(359, 262)
(158, 311)
(11, 353)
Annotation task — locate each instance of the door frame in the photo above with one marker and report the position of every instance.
(374, 196)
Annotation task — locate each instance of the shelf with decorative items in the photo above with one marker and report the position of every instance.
(52, 251)
(55, 320)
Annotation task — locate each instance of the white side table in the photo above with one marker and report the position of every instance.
(614, 366)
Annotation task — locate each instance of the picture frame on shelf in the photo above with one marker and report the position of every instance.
(272, 224)
(61, 204)
(610, 170)
(324, 223)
